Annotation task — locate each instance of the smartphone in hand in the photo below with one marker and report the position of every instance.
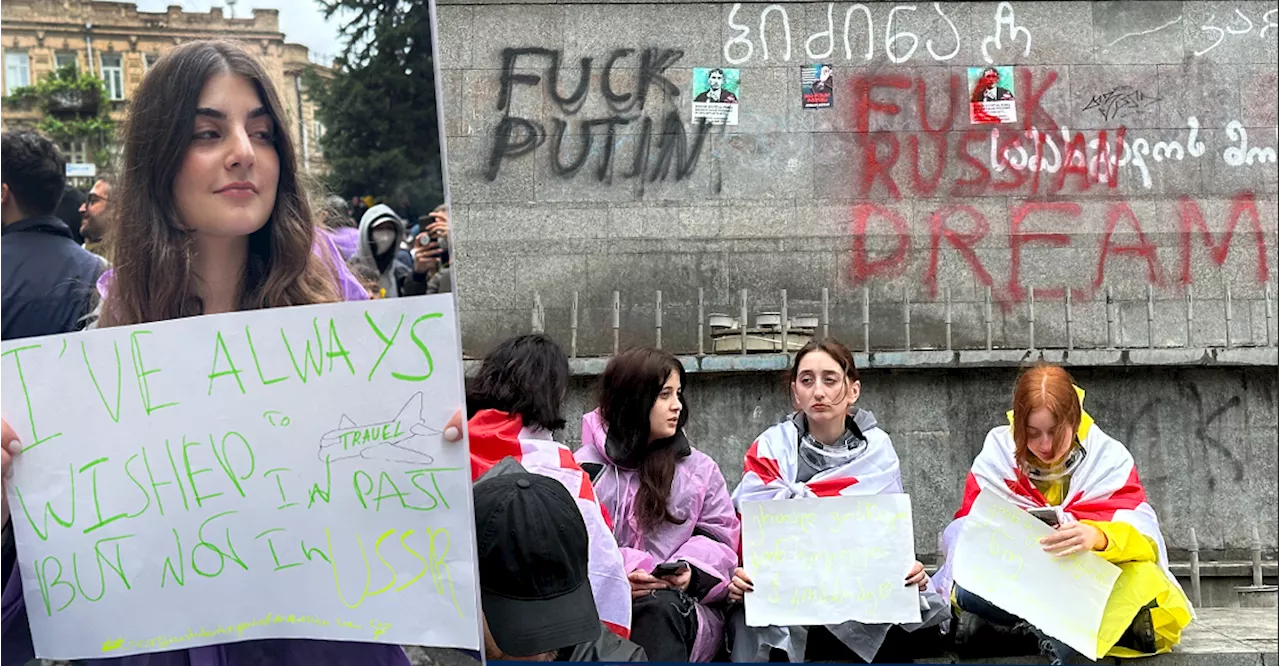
(670, 569)
(1046, 515)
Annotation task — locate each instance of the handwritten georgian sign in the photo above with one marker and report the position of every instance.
(999, 558)
(268, 474)
(829, 560)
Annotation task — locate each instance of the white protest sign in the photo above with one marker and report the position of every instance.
(999, 558)
(266, 474)
(829, 560)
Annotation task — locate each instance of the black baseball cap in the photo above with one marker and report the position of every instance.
(532, 548)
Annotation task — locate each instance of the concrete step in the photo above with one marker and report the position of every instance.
(1217, 637)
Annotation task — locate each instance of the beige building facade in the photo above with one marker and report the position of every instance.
(119, 44)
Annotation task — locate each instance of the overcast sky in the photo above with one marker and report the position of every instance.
(301, 21)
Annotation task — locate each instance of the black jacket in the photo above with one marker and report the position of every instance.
(46, 278)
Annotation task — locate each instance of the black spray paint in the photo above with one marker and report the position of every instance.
(668, 153)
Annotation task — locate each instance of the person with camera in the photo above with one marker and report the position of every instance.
(432, 272)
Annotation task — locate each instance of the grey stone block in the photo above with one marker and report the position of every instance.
(1253, 150)
(1133, 33)
(1050, 43)
(1228, 32)
(485, 285)
(468, 162)
(1210, 91)
(770, 166)
(1258, 96)
(454, 30)
(1111, 96)
(514, 26)
(599, 29)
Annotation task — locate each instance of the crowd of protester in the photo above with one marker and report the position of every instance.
(636, 533)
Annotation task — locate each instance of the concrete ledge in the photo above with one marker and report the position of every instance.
(976, 358)
(1217, 637)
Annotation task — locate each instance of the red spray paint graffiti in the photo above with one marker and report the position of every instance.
(947, 235)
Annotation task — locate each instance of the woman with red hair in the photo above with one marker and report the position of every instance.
(1053, 455)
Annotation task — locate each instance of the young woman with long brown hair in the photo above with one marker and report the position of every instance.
(828, 448)
(210, 218)
(671, 511)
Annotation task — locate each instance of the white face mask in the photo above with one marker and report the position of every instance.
(383, 239)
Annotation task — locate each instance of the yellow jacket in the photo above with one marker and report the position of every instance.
(1141, 581)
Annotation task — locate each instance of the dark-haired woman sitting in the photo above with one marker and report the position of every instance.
(514, 405)
(672, 515)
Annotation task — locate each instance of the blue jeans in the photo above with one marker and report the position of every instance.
(1053, 648)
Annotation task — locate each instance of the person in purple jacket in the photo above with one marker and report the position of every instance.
(212, 219)
(672, 515)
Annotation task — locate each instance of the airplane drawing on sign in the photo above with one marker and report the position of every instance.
(403, 439)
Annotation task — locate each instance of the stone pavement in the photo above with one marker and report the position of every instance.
(1217, 637)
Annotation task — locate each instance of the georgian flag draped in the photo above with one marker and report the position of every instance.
(1105, 487)
(772, 464)
(497, 435)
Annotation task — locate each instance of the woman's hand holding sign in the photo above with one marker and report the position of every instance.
(1074, 538)
(740, 585)
(918, 577)
(9, 447)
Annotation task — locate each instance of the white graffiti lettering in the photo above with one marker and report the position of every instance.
(871, 47)
(1134, 151)
(830, 34)
(1005, 18)
(899, 45)
(1268, 21)
(741, 38)
(928, 45)
(786, 27)
(1242, 154)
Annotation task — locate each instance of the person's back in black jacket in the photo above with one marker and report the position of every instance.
(46, 278)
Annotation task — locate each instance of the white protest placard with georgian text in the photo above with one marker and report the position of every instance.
(829, 560)
(999, 558)
(267, 474)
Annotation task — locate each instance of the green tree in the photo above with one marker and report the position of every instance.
(379, 109)
(74, 108)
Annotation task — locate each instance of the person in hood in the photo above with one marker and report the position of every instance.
(229, 230)
(1052, 455)
(672, 515)
(335, 218)
(380, 233)
(47, 278)
(828, 448)
(545, 612)
(514, 404)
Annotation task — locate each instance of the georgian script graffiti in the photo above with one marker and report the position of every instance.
(1122, 101)
(1240, 24)
(898, 45)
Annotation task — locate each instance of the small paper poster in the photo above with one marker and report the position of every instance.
(816, 85)
(991, 96)
(715, 95)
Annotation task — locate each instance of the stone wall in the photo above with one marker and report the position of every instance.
(1167, 109)
(1204, 439)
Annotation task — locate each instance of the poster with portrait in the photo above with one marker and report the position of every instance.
(992, 99)
(715, 95)
(816, 85)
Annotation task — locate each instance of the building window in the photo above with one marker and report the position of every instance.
(113, 75)
(149, 61)
(17, 71)
(75, 152)
(64, 58)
